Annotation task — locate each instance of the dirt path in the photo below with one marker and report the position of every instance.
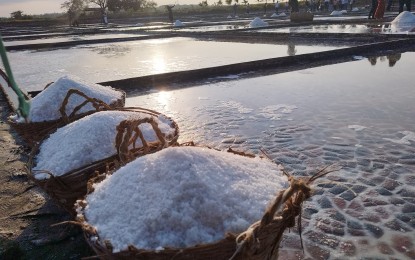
(26, 213)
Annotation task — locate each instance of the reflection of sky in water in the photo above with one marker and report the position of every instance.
(352, 112)
(71, 38)
(364, 91)
(343, 28)
(208, 28)
(111, 61)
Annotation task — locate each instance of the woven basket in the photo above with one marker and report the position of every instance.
(34, 132)
(259, 242)
(301, 17)
(69, 187)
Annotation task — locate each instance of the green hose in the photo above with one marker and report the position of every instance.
(24, 105)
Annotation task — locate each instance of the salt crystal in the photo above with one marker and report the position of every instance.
(182, 196)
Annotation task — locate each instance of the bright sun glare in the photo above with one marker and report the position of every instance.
(163, 98)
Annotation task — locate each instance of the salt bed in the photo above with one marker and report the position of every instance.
(180, 197)
(45, 106)
(257, 22)
(88, 140)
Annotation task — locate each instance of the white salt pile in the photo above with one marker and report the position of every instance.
(257, 22)
(178, 23)
(405, 21)
(88, 140)
(355, 9)
(180, 197)
(45, 106)
(343, 11)
(336, 13)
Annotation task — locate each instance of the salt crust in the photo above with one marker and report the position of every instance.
(89, 139)
(182, 196)
(257, 22)
(45, 106)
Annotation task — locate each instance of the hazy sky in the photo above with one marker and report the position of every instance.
(53, 6)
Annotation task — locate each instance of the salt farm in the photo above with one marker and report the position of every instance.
(335, 91)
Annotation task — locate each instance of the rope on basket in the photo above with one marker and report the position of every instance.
(127, 134)
(96, 103)
(293, 197)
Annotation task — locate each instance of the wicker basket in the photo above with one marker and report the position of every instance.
(69, 187)
(34, 132)
(259, 242)
(301, 17)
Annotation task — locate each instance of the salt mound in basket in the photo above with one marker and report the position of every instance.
(178, 198)
(47, 107)
(67, 158)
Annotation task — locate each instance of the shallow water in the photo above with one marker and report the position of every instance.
(225, 27)
(112, 61)
(354, 114)
(70, 38)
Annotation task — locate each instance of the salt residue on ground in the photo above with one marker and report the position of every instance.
(45, 106)
(89, 139)
(336, 13)
(406, 139)
(257, 22)
(278, 15)
(182, 196)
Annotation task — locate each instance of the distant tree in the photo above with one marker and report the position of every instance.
(236, 1)
(150, 4)
(203, 3)
(74, 8)
(219, 3)
(244, 2)
(114, 5)
(16, 15)
(103, 4)
(228, 2)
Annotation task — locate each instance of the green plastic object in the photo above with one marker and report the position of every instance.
(24, 105)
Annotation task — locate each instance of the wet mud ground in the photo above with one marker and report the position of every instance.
(28, 216)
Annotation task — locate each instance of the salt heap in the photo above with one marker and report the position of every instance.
(405, 21)
(178, 23)
(181, 196)
(90, 139)
(45, 106)
(257, 22)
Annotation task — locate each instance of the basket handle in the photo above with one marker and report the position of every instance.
(96, 103)
(127, 134)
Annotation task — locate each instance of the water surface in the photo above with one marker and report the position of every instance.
(357, 114)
